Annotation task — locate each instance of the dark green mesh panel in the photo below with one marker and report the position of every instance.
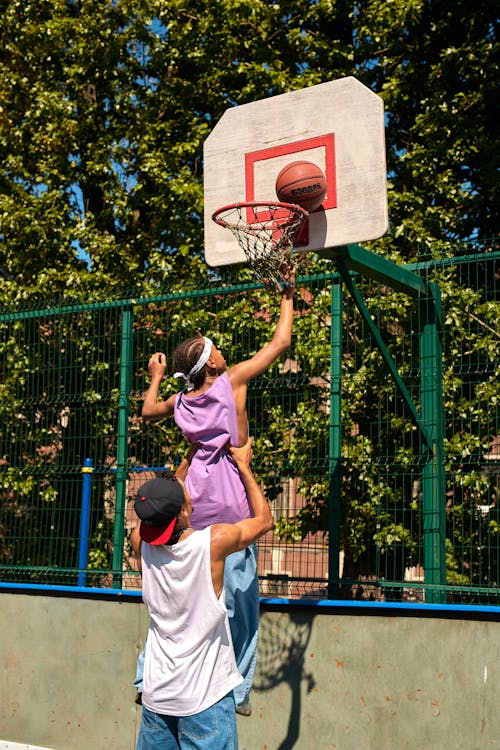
(72, 377)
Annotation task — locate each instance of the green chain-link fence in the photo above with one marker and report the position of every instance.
(338, 448)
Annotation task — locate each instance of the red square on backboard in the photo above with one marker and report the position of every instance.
(295, 149)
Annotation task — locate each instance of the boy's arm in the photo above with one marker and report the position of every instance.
(183, 468)
(151, 407)
(243, 372)
(227, 538)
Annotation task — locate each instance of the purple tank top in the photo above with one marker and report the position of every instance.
(213, 480)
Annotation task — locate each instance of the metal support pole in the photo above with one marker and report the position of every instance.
(122, 444)
(83, 537)
(430, 421)
(335, 440)
(433, 475)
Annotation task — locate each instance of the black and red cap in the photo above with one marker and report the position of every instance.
(158, 504)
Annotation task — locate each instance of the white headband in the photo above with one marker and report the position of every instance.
(202, 360)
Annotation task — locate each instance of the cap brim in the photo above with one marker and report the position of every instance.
(157, 534)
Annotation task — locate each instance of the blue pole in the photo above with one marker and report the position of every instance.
(83, 548)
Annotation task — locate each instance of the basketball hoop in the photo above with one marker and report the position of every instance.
(266, 232)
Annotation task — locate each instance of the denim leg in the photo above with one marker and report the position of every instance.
(242, 601)
(212, 729)
(139, 671)
(157, 732)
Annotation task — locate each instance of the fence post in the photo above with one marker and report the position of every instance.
(122, 444)
(335, 440)
(433, 475)
(83, 537)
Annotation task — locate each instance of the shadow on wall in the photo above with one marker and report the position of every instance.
(283, 639)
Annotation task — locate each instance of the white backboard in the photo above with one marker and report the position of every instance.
(338, 125)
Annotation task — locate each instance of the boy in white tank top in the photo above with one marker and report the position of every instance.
(190, 669)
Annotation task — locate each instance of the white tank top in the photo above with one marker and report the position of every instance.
(189, 661)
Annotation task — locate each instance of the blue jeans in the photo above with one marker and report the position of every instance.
(241, 586)
(212, 729)
(139, 671)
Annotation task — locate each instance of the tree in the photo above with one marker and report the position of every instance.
(104, 108)
(434, 65)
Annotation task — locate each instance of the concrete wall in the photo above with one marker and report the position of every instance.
(68, 667)
(350, 679)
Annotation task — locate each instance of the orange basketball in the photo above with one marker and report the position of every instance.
(303, 183)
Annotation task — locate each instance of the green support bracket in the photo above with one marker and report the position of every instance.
(389, 362)
(126, 346)
(356, 258)
(430, 422)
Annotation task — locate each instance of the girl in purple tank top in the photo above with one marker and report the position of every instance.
(211, 412)
(209, 420)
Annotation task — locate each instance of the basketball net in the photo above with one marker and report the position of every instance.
(265, 233)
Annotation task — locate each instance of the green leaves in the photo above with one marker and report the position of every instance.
(105, 107)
